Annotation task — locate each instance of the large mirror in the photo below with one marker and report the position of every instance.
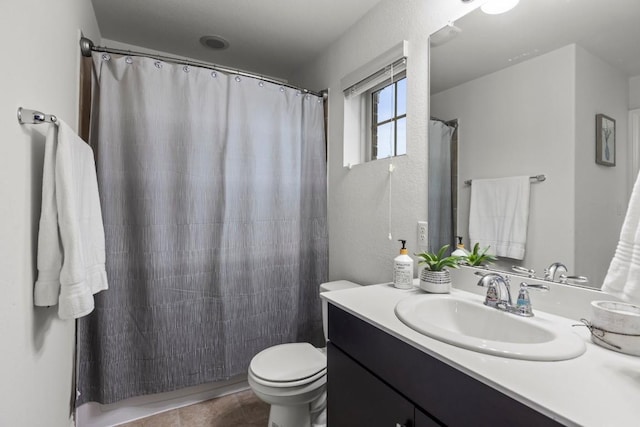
(524, 88)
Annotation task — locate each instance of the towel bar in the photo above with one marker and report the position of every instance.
(538, 178)
(26, 116)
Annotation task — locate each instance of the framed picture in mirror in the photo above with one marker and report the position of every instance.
(605, 140)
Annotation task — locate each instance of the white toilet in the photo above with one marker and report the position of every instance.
(292, 377)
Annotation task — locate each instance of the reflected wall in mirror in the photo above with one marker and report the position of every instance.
(525, 88)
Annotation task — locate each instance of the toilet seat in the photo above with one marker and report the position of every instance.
(288, 365)
(286, 384)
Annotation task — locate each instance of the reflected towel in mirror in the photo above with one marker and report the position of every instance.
(499, 215)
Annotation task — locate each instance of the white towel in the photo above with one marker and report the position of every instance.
(623, 277)
(499, 214)
(71, 254)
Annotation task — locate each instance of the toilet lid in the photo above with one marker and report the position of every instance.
(288, 362)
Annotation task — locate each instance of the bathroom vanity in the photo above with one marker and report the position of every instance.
(384, 373)
(370, 373)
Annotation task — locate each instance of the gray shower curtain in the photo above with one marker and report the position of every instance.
(440, 197)
(213, 191)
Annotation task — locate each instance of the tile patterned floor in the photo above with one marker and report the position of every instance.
(242, 409)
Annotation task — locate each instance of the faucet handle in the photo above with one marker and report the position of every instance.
(523, 270)
(542, 288)
(523, 304)
(573, 279)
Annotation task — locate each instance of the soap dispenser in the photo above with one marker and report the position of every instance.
(460, 250)
(403, 268)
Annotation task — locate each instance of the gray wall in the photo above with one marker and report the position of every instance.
(40, 62)
(601, 192)
(520, 121)
(634, 93)
(359, 249)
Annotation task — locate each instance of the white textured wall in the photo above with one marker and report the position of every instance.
(359, 249)
(520, 121)
(39, 70)
(601, 192)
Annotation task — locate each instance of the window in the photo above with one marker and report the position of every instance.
(389, 119)
(375, 115)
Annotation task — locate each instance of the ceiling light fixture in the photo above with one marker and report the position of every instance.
(214, 42)
(495, 7)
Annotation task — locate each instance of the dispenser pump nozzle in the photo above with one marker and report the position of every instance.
(403, 250)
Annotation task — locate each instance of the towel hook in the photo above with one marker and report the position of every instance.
(26, 116)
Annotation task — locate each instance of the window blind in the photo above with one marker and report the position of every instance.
(378, 70)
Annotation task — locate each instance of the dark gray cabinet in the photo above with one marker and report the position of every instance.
(375, 379)
(360, 398)
(423, 420)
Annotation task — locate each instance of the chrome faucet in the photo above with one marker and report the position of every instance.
(499, 294)
(554, 269)
(557, 272)
(498, 290)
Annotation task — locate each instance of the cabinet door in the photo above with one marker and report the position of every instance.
(423, 420)
(357, 398)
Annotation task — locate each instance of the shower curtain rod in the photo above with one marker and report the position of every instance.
(446, 122)
(87, 46)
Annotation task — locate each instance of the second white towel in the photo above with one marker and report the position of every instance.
(499, 215)
(623, 276)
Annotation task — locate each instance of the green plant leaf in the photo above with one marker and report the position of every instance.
(437, 261)
(479, 257)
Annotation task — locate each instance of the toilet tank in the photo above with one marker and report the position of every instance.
(328, 287)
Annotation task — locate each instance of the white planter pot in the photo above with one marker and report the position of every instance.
(437, 282)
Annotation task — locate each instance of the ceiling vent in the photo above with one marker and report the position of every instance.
(214, 42)
(443, 35)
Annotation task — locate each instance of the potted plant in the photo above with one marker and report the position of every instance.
(435, 277)
(479, 257)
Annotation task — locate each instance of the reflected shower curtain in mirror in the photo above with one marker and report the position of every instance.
(440, 199)
(213, 190)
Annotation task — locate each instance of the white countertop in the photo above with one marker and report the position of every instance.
(599, 388)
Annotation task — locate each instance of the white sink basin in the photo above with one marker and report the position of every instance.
(466, 322)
